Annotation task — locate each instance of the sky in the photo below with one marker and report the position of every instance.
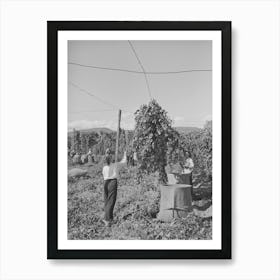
(95, 95)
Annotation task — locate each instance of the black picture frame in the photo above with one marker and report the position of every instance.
(52, 102)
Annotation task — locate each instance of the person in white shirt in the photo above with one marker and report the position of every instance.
(188, 167)
(89, 152)
(188, 164)
(110, 174)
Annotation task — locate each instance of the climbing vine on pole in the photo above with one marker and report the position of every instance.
(152, 132)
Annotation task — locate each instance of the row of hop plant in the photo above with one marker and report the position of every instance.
(156, 143)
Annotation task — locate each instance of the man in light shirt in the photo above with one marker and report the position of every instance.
(187, 171)
(188, 165)
(111, 174)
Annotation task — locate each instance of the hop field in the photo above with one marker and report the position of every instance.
(135, 210)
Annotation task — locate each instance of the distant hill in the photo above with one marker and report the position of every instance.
(180, 129)
(96, 129)
(186, 129)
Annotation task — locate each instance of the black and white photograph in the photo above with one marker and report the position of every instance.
(140, 140)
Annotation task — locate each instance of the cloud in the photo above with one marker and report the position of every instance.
(127, 115)
(207, 118)
(178, 118)
(86, 124)
(127, 122)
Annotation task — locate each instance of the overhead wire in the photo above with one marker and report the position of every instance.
(99, 99)
(139, 72)
(93, 95)
(142, 67)
(105, 68)
(107, 103)
(143, 72)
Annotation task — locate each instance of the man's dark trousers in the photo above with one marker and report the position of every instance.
(110, 196)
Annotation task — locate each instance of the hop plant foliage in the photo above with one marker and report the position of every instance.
(199, 146)
(134, 214)
(152, 132)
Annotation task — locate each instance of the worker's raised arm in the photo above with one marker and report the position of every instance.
(123, 161)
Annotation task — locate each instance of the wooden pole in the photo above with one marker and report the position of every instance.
(126, 139)
(73, 139)
(118, 135)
